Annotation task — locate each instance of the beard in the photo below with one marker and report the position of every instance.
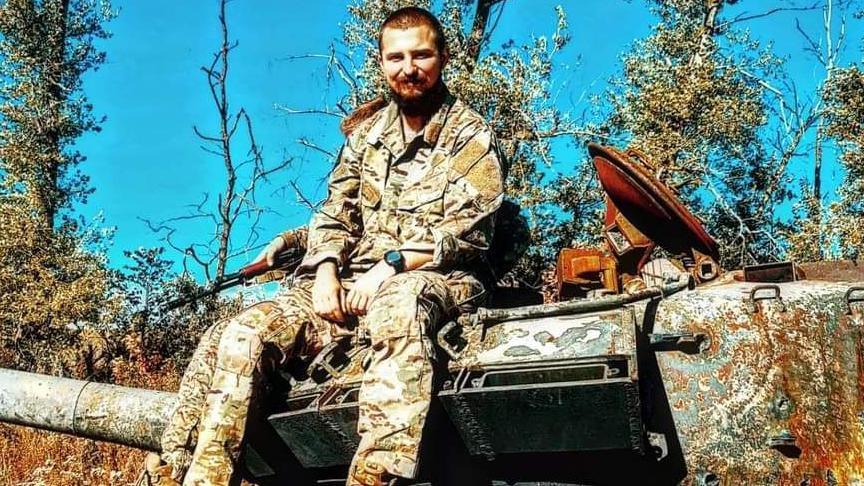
(423, 103)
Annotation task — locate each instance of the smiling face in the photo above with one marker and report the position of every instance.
(411, 62)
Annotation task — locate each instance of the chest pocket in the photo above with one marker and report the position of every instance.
(424, 198)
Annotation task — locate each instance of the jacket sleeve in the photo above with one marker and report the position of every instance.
(475, 190)
(337, 225)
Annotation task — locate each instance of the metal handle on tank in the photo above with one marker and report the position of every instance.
(754, 299)
(850, 299)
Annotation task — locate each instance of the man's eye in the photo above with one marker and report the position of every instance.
(394, 58)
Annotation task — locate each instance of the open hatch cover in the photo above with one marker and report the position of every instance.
(648, 204)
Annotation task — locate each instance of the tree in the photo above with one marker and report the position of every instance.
(844, 97)
(698, 97)
(814, 229)
(52, 289)
(150, 335)
(46, 48)
(237, 200)
(54, 276)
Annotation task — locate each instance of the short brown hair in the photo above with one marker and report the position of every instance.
(408, 17)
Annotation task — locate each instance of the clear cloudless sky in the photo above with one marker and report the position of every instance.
(147, 163)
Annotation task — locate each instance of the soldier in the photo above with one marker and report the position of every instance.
(399, 244)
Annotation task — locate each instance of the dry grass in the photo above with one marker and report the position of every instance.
(35, 457)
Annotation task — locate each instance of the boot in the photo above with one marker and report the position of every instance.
(155, 472)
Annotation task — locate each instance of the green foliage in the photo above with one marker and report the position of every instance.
(147, 330)
(45, 49)
(51, 289)
(844, 99)
(54, 277)
(61, 309)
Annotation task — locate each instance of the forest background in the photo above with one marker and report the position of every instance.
(147, 148)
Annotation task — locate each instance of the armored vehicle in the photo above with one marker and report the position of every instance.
(646, 371)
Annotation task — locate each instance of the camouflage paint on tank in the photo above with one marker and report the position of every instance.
(549, 338)
(786, 372)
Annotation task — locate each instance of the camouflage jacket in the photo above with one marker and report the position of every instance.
(437, 192)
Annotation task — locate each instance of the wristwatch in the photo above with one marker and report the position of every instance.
(395, 259)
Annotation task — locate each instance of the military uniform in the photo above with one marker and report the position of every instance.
(437, 192)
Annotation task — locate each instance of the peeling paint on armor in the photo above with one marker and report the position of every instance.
(725, 400)
(549, 338)
(520, 351)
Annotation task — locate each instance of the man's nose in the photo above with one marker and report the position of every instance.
(408, 67)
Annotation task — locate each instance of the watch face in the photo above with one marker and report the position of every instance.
(392, 257)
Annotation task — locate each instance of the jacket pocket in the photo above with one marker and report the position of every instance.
(426, 195)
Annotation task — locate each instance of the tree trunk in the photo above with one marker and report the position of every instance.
(709, 25)
(48, 191)
(478, 28)
(227, 204)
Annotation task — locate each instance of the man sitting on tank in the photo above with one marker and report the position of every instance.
(399, 244)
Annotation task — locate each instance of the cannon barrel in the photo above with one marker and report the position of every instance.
(128, 416)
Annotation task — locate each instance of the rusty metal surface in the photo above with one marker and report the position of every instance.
(834, 271)
(778, 395)
(650, 206)
(129, 416)
(771, 391)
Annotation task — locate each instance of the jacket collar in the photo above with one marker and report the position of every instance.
(387, 129)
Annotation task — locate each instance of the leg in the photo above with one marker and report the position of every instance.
(293, 328)
(397, 386)
(218, 384)
(180, 435)
(223, 417)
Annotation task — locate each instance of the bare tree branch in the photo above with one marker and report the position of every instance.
(302, 198)
(313, 111)
(236, 200)
(308, 144)
(745, 16)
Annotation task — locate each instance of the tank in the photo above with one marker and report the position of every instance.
(673, 373)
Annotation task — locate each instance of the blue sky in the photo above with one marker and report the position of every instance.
(147, 163)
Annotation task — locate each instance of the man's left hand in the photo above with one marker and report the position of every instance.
(364, 289)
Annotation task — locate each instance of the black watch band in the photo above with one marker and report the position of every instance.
(395, 259)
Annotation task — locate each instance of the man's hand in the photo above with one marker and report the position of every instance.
(328, 297)
(278, 245)
(367, 285)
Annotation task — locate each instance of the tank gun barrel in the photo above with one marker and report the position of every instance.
(129, 416)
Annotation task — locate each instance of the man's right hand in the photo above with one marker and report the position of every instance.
(328, 297)
(275, 247)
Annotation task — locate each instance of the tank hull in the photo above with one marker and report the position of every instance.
(776, 396)
(731, 383)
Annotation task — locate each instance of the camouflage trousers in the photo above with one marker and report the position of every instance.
(395, 393)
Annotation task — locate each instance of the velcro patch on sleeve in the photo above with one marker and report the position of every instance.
(485, 178)
(467, 158)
